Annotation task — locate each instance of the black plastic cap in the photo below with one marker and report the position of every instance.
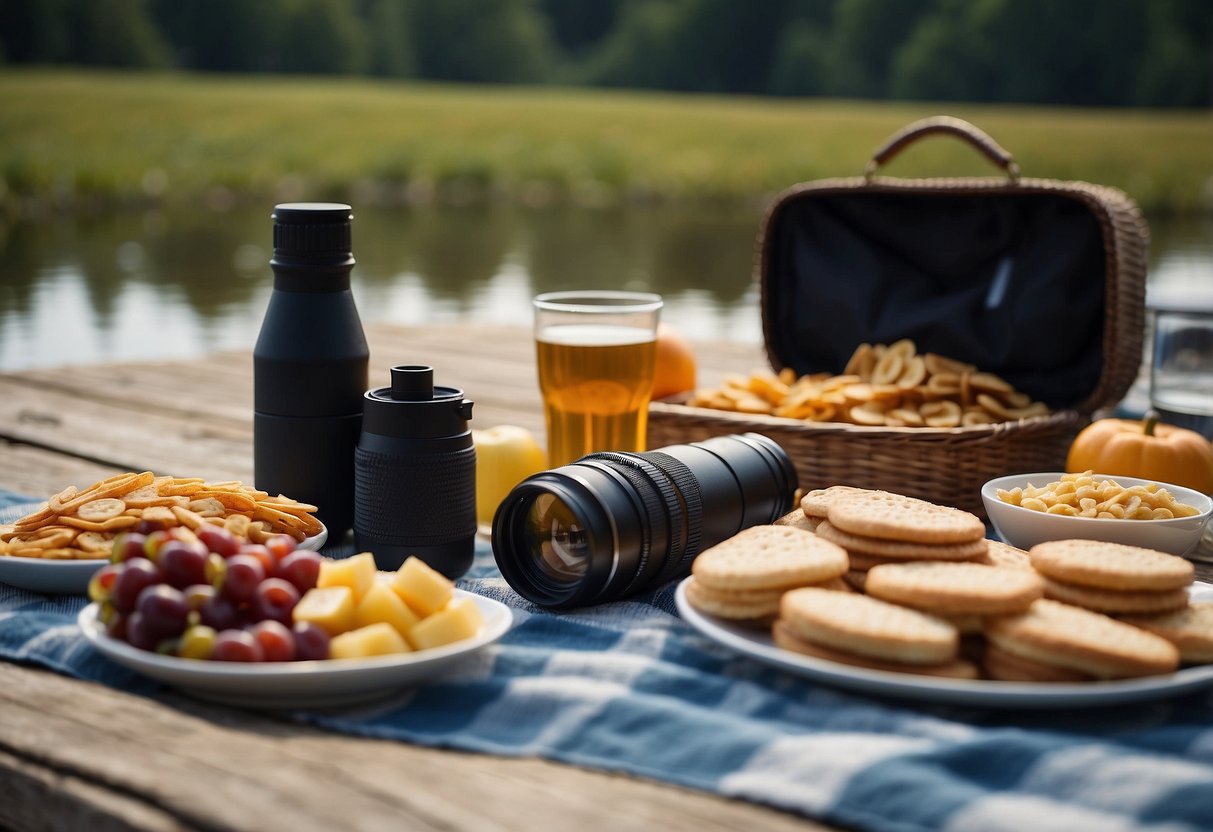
(303, 229)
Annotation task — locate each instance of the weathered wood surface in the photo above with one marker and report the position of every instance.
(75, 755)
(194, 418)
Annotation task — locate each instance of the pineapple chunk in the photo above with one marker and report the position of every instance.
(373, 640)
(381, 604)
(459, 620)
(357, 572)
(422, 587)
(331, 608)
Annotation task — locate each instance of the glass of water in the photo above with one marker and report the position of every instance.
(1181, 370)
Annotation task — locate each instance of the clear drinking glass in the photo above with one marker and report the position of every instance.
(596, 351)
(1181, 370)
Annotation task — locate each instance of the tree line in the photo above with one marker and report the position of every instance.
(1152, 53)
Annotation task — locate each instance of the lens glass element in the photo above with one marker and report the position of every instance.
(556, 541)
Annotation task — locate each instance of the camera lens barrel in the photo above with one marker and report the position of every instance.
(611, 525)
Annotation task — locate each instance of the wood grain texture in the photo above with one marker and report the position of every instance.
(79, 755)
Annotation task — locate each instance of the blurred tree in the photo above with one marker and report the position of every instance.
(322, 36)
(1082, 52)
(1177, 65)
(101, 32)
(501, 41)
(692, 45)
(802, 58)
(579, 25)
(222, 35)
(34, 31)
(390, 50)
(114, 33)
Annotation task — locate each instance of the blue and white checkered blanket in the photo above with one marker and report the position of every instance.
(630, 687)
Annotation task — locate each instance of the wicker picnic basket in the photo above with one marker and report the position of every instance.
(1039, 281)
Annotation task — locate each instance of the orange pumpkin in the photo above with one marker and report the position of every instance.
(1148, 449)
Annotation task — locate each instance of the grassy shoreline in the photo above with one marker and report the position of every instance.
(69, 139)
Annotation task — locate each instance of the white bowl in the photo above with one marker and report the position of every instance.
(1024, 527)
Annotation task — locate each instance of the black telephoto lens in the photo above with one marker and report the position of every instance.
(614, 524)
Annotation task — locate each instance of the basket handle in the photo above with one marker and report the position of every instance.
(943, 124)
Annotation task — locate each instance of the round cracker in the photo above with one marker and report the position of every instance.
(785, 637)
(955, 588)
(753, 606)
(1008, 667)
(897, 517)
(1067, 636)
(797, 519)
(1104, 565)
(901, 549)
(1115, 600)
(1190, 629)
(1003, 554)
(868, 627)
(817, 502)
(769, 557)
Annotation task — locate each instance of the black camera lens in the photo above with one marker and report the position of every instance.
(613, 524)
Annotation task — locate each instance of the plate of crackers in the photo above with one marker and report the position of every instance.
(58, 546)
(889, 595)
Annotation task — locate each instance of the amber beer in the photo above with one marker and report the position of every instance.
(596, 363)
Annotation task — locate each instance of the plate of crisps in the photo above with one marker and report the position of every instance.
(57, 558)
(327, 683)
(758, 645)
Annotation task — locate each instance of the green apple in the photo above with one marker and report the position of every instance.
(505, 456)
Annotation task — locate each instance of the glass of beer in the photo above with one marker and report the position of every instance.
(596, 353)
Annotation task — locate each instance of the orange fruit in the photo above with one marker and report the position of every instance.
(675, 369)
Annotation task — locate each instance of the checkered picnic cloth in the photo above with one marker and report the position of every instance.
(630, 687)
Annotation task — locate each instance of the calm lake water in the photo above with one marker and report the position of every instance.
(134, 285)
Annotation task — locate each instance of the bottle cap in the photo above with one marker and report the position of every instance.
(413, 408)
(311, 229)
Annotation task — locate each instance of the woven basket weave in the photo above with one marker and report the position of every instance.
(947, 465)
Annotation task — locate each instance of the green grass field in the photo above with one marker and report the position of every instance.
(73, 137)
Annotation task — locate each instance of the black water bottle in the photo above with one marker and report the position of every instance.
(415, 474)
(310, 365)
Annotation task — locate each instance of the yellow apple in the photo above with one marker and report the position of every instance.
(505, 456)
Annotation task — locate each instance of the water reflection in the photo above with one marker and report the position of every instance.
(129, 285)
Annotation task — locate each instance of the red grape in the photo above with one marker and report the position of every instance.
(311, 642)
(218, 540)
(153, 542)
(244, 573)
(101, 585)
(268, 561)
(116, 627)
(137, 574)
(127, 546)
(274, 599)
(164, 611)
(237, 646)
(277, 642)
(219, 612)
(280, 545)
(301, 568)
(138, 634)
(183, 563)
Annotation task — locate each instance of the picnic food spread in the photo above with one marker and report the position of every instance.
(881, 385)
(924, 592)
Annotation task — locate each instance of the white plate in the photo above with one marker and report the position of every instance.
(71, 577)
(315, 684)
(758, 645)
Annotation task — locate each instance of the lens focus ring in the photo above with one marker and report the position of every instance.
(647, 481)
(691, 501)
